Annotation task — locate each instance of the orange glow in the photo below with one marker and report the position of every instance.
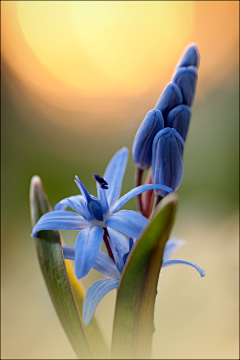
(92, 56)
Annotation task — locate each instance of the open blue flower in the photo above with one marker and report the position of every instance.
(98, 215)
(113, 271)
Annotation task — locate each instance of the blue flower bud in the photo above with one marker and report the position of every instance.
(186, 79)
(170, 97)
(190, 56)
(179, 119)
(167, 164)
(142, 144)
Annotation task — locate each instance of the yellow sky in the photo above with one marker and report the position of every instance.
(91, 56)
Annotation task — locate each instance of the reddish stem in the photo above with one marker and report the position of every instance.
(106, 238)
(147, 197)
(138, 182)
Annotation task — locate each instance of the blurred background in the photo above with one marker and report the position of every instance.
(77, 80)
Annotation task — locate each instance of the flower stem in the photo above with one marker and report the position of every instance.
(157, 200)
(138, 182)
(106, 238)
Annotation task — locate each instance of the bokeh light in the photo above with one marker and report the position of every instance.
(90, 56)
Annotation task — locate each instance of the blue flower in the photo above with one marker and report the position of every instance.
(167, 155)
(142, 144)
(113, 271)
(190, 56)
(179, 119)
(169, 98)
(98, 215)
(186, 79)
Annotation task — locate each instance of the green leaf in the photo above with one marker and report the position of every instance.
(133, 323)
(49, 250)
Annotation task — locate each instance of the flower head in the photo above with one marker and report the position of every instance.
(167, 164)
(169, 98)
(113, 271)
(186, 79)
(179, 119)
(142, 144)
(97, 216)
(190, 56)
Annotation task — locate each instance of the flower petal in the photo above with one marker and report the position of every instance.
(136, 191)
(69, 252)
(167, 164)
(186, 79)
(179, 119)
(77, 203)
(93, 296)
(82, 188)
(59, 220)
(119, 240)
(114, 175)
(176, 262)
(128, 222)
(172, 246)
(86, 249)
(190, 56)
(106, 266)
(102, 196)
(169, 98)
(142, 144)
(117, 257)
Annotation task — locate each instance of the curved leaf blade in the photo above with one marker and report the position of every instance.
(133, 323)
(49, 250)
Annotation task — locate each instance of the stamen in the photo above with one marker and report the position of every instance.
(101, 181)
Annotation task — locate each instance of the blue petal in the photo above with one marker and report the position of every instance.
(82, 188)
(86, 249)
(59, 220)
(136, 191)
(190, 56)
(179, 119)
(77, 203)
(186, 79)
(69, 252)
(125, 256)
(117, 257)
(142, 144)
(106, 266)
(172, 246)
(176, 262)
(93, 296)
(128, 222)
(170, 97)
(102, 196)
(167, 165)
(119, 240)
(114, 175)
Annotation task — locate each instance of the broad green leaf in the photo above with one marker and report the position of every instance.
(133, 323)
(54, 271)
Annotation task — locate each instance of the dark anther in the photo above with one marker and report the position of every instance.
(101, 181)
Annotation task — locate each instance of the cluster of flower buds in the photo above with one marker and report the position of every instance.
(160, 139)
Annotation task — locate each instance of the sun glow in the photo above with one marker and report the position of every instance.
(97, 56)
(105, 46)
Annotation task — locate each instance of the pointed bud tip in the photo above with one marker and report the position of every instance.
(190, 56)
(36, 181)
